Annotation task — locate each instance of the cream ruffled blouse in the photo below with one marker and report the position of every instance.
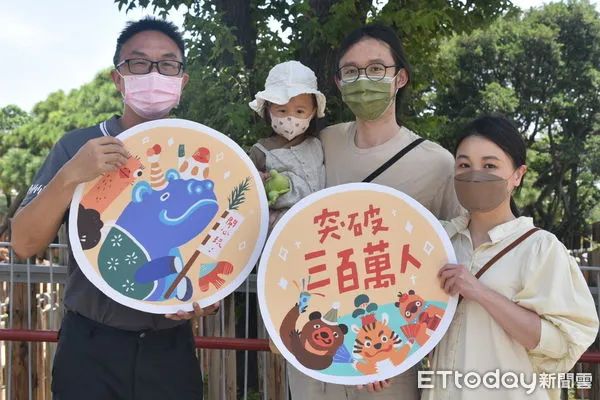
(538, 275)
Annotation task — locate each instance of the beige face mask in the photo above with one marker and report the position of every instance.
(480, 191)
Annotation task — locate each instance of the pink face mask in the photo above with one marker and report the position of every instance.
(152, 95)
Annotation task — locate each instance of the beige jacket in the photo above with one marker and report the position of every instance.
(538, 275)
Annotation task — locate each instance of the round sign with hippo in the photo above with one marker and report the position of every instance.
(348, 285)
(183, 221)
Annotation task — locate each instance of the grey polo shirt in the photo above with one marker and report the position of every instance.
(81, 296)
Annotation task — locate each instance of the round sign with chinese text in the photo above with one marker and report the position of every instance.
(348, 284)
(183, 221)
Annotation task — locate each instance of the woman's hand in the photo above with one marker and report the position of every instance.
(457, 279)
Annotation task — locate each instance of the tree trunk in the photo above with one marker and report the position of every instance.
(573, 212)
(318, 54)
(237, 14)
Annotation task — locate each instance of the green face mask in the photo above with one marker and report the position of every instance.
(367, 99)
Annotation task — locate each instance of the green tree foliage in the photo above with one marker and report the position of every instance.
(11, 117)
(26, 139)
(540, 67)
(543, 69)
(231, 48)
(17, 168)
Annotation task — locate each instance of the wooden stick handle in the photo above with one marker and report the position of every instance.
(183, 273)
(189, 264)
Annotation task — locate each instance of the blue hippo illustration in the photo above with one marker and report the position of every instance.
(140, 256)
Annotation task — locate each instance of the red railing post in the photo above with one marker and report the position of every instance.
(205, 342)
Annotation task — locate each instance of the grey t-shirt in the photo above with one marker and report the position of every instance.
(81, 296)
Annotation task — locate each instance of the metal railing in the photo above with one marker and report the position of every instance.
(34, 323)
(31, 311)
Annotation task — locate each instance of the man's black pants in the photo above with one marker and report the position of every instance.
(96, 362)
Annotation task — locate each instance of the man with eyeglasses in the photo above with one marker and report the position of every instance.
(106, 350)
(372, 75)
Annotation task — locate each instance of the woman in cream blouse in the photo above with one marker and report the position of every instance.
(531, 312)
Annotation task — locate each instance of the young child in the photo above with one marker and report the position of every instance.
(291, 158)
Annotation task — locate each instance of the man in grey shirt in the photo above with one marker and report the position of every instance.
(106, 350)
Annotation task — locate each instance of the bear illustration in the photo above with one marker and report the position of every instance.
(423, 318)
(318, 341)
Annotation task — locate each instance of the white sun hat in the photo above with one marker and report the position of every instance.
(287, 80)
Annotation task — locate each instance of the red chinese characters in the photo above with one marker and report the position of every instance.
(377, 262)
(316, 269)
(231, 222)
(408, 258)
(347, 274)
(375, 223)
(329, 224)
(379, 269)
(327, 221)
(354, 225)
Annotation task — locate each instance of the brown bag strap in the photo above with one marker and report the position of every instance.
(501, 254)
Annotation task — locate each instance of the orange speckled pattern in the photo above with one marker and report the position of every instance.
(111, 185)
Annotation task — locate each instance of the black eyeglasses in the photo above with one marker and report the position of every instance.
(141, 66)
(374, 72)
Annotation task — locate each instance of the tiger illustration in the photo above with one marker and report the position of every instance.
(377, 347)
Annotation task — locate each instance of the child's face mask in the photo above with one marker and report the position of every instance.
(290, 127)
